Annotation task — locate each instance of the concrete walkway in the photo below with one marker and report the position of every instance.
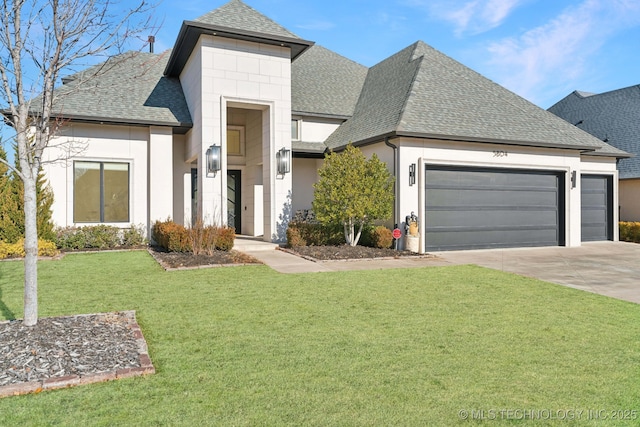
(606, 268)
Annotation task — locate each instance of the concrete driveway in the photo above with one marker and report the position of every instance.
(606, 268)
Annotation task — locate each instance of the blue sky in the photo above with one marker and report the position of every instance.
(540, 49)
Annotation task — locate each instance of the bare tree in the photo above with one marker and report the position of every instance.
(39, 40)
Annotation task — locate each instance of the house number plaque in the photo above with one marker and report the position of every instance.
(500, 154)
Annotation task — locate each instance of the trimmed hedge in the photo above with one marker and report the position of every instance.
(16, 250)
(630, 231)
(198, 239)
(99, 237)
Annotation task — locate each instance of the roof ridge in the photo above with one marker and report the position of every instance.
(410, 88)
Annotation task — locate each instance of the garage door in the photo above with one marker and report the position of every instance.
(597, 207)
(472, 208)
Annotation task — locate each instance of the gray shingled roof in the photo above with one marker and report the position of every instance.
(421, 92)
(238, 15)
(323, 82)
(128, 89)
(611, 116)
(237, 21)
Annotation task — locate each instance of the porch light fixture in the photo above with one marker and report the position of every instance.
(412, 174)
(213, 160)
(574, 178)
(283, 161)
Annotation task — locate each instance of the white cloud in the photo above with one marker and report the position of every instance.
(556, 53)
(472, 16)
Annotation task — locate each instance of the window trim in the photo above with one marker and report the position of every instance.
(101, 164)
(240, 130)
(298, 135)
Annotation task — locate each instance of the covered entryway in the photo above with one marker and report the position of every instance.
(473, 208)
(596, 192)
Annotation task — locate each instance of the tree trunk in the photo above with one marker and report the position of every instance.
(31, 250)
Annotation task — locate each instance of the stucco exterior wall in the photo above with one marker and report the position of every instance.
(305, 174)
(105, 144)
(246, 75)
(629, 199)
(315, 129)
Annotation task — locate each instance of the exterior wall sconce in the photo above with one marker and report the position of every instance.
(213, 160)
(574, 178)
(283, 161)
(412, 174)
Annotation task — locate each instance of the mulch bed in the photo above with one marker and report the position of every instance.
(64, 351)
(179, 260)
(346, 252)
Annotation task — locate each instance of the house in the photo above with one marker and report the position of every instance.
(231, 126)
(611, 117)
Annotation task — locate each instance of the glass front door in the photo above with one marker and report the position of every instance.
(234, 200)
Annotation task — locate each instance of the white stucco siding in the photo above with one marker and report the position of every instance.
(247, 75)
(313, 129)
(100, 143)
(629, 199)
(305, 174)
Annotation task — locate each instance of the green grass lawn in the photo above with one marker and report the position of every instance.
(248, 346)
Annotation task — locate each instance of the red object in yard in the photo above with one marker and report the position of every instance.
(397, 233)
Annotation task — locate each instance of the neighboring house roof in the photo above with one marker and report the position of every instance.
(610, 116)
(325, 83)
(234, 20)
(127, 89)
(423, 93)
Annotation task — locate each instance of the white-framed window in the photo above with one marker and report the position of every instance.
(235, 141)
(295, 129)
(100, 191)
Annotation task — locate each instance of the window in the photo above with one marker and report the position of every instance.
(100, 192)
(295, 129)
(235, 140)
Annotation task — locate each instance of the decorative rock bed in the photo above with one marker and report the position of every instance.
(65, 351)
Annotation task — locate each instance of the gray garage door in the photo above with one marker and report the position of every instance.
(597, 207)
(471, 208)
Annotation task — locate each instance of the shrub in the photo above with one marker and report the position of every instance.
(381, 237)
(197, 239)
(294, 237)
(171, 236)
(102, 237)
(314, 234)
(98, 237)
(226, 238)
(16, 250)
(47, 248)
(134, 236)
(630, 232)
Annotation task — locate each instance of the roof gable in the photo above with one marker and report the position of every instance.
(422, 92)
(238, 15)
(234, 20)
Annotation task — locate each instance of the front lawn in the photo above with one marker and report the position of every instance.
(248, 346)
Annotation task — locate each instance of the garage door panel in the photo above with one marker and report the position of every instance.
(468, 208)
(492, 239)
(596, 192)
(506, 198)
(492, 217)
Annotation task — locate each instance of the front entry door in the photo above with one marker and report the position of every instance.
(234, 200)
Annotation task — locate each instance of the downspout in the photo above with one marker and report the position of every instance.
(395, 184)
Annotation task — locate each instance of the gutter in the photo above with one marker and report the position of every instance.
(395, 184)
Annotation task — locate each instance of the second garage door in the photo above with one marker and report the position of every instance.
(472, 208)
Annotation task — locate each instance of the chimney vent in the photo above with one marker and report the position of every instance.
(152, 40)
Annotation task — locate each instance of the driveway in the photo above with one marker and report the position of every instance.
(606, 268)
